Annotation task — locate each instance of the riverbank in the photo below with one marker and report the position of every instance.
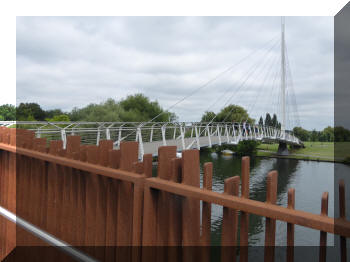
(315, 151)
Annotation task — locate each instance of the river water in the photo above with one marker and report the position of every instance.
(309, 178)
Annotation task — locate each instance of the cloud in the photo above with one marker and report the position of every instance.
(64, 62)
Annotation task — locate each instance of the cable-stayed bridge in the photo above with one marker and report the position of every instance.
(266, 85)
(184, 135)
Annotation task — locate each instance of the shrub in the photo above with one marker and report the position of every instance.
(347, 160)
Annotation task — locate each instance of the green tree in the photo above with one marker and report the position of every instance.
(341, 134)
(208, 116)
(139, 108)
(245, 148)
(329, 133)
(261, 121)
(53, 112)
(274, 121)
(136, 108)
(108, 111)
(30, 111)
(314, 135)
(268, 121)
(234, 113)
(301, 133)
(7, 112)
(59, 118)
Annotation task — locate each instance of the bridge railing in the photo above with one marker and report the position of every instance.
(188, 134)
(100, 199)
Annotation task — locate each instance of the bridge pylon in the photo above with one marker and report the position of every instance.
(282, 149)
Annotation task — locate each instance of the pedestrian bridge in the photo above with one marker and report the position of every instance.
(152, 135)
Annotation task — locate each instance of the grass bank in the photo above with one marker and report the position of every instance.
(318, 151)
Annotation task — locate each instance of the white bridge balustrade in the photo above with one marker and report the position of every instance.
(184, 135)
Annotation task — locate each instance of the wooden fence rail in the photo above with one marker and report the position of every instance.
(100, 199)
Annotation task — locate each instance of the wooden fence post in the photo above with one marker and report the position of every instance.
(70, 193)
(190, 206)
(128, 156)
(244, 227)
(206, 213)
(175, 214)
(342, 216)
(101, 201)
(323, 235)
(229, 223)
(149, 225)
(290, 227)
(206, 209)
(91, 191)
(270, 228)
(112, 205)
(165, 154)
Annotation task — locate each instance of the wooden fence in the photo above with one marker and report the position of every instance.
(107, 203)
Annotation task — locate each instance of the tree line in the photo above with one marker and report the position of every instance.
(235, 113)
(328, 134)
(139, 108)
(134, 108)
(230, 113)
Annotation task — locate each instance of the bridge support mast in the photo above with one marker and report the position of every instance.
(282, 148)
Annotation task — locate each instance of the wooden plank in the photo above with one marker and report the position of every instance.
(147, 164)
(343, 251)
(52, 181)
(137, 215)
(22, 185)
(270, 226)
(191, 208)
(165, 154)
(137, 212)
(37, 189)
(244, 226)
(128, 155)
(112, 206)
(175, 214)
(101, 200)
(11, 202)
(206, 209)
(23, 238)
(323, 235)
(229, 222)
(82, 204)
(111, 219)
(175, 206)
(149, 226)
(290, 227)
(3, 194)
(114, 159)
(70, 190)
(91, 199)
(2, 199)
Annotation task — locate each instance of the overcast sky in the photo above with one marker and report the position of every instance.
(64, 62)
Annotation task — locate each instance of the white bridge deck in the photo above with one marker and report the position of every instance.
(183, 135)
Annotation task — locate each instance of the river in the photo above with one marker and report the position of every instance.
(309, 178)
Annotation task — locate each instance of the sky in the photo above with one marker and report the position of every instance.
(66, 62)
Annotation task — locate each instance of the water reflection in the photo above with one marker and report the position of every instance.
(291, 173)
(310, 179)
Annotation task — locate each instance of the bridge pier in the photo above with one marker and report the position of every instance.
(282, 149)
